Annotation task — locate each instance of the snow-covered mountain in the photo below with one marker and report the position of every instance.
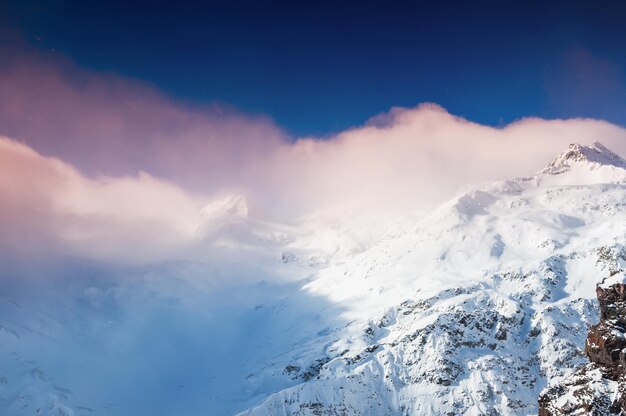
(482, 301)
(471, 309)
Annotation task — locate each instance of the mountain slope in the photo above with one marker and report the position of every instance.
(489, 297)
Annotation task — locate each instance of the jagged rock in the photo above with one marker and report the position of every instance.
(612, 303)
(586, 392)
(598, 388)
(605, 346)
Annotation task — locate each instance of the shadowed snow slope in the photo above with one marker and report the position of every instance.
(467, 310)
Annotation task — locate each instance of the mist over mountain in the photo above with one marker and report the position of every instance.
(471, 308)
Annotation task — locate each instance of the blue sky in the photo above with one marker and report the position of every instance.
(320, 67)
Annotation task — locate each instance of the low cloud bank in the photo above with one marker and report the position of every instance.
(50, 209)
(104, 167)
(418, 157)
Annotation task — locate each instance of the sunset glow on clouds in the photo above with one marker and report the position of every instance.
(96, 165)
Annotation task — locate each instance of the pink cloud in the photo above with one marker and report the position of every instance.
(103, 123)
(110, 168)
(48, 208)
(421, 156)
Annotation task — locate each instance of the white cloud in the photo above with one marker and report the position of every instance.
(419, 157)
(49, 208)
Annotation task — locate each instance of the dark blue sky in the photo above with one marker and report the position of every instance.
(319, 67)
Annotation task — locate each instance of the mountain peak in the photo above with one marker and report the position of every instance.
(595, 155)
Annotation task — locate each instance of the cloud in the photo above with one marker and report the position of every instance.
(103, 167)
(107, 124)
(419, 157)
(50, 209)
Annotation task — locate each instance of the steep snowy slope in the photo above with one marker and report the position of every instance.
(467, 310)
(472, 310)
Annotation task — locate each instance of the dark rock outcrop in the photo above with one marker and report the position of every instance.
(606, 342)
(599, 388)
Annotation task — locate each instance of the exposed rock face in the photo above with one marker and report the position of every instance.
(599, 388)
(606, 342)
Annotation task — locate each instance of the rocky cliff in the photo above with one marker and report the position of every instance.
(599, 388)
